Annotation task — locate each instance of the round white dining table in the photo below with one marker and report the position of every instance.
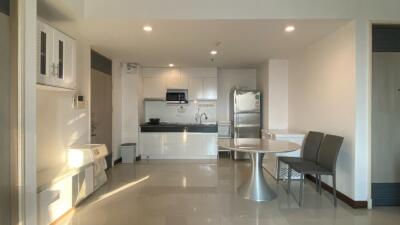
(256, 187)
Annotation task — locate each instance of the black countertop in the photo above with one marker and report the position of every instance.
(179, 127)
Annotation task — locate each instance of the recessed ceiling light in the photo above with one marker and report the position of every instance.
(147, 28)
(213, 52)
(290, 28)
(171, 65)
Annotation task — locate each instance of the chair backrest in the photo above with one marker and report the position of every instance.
(311, 145)
(329, 151)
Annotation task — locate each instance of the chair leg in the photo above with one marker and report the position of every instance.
(320, 184)
(334, 190)
(289, 178)
(278, 172)
(316, 182)
(301, 189)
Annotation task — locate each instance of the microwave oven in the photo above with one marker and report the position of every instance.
(177, 96)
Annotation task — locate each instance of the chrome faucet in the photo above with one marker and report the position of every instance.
(205, 117)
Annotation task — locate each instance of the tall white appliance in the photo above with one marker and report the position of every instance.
(245, 116)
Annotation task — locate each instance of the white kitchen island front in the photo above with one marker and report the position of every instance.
(179, 144)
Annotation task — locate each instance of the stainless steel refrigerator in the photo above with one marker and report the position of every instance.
(245, 116)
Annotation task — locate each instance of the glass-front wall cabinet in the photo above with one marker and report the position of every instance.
(56, 55)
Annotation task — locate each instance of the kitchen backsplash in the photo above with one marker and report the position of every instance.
(180, 113)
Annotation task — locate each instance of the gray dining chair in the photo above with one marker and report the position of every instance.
(309, 151)
(326, 165)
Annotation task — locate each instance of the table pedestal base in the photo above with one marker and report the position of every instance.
(256, 188)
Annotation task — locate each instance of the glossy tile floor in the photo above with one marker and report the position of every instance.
(188, 192)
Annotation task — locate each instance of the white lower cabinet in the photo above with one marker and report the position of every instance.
(182, 145)
(85, 184)
(196, 144)
(211, 145)
(153, 143)
(55, 201)
(174, 143)
(63, 195)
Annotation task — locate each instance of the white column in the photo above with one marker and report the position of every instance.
(27, 17)
(362, 157)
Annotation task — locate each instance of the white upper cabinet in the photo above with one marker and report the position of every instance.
(56, 58)
(64, 58)
(154, 83)
(210, 88)
(184, 81)
(45, 68)
(200, 82)
(195, 90)
(203, 84)
(205, 88)
(200, 72)
(153, 88)
(175, 80)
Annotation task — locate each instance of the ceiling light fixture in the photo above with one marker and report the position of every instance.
(171, 65)
(147, 28)
(290, 29)
(213, 52)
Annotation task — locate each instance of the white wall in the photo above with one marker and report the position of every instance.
(277, 101)
(180, 113)
(117, 109)
(140, 92)
(127, 105)
(322, 96)
(130, 102)
(272, 81)
(362, 159)
(229, 79)
(262, 85)
(27, 149)
(59, 125)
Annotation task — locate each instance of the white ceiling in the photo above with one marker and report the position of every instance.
(245, 43)
(187, 43)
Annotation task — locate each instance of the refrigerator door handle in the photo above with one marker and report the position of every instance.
(237, 134)
(235, 104)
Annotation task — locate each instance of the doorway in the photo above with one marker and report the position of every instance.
(101, 102)
(385, 139)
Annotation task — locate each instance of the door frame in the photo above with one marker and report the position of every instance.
(23, 17)
(372, 24)
(104, 65)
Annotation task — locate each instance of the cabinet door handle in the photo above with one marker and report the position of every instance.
(56, 69)
(53, 66)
